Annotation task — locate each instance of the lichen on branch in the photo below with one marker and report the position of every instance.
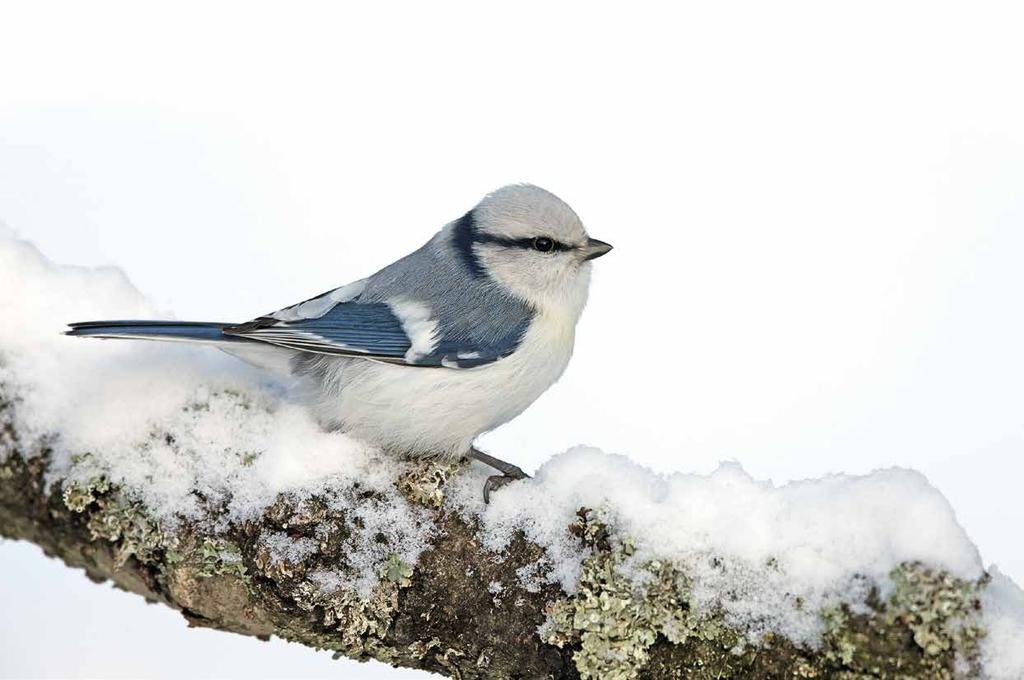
(279, 575)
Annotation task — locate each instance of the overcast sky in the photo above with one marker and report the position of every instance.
(818, 215)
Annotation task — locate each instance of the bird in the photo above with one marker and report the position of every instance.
(438, 347)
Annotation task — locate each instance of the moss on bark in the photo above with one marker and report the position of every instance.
(445, 613)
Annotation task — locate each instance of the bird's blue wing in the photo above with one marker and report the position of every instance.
(375, 330)
(346, 328)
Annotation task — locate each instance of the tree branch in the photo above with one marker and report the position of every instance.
(462, 610)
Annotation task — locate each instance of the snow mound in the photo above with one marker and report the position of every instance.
(820, 537)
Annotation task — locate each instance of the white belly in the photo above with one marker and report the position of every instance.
(440, 411)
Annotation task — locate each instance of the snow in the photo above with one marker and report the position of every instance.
(285, 549)
(820, 536)
(185, 428)
(328, 581)
(1003, 647)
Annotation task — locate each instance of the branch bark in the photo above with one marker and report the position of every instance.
(445, 614)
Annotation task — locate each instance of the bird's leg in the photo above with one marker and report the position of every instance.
(509, 472)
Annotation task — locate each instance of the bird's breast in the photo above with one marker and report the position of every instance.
(542, 355)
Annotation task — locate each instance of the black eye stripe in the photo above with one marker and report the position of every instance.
(525, 243)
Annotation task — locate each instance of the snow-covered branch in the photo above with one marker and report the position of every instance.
(187, 478)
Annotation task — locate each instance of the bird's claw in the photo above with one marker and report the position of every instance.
(493, 483)
(509, 472)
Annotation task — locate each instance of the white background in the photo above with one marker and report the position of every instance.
(818, 214)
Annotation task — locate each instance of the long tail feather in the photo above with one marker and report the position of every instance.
(182, 331)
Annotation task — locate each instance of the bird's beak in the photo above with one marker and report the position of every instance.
(594, 249)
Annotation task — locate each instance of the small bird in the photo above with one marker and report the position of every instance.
(433, 350)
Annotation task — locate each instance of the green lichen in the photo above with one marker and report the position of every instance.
(617, 623)
(398, 572)
(939, 609)
(842, 647)
(361, 624)
(126, 524)
(115, 518)
(615, 620)
(425, 480)
(217, 557)
(446, 657)
(173, 556)
(344, 620)
(938, 613)
(79, 495)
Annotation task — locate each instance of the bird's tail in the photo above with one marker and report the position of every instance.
(181, 331)
(269, 357)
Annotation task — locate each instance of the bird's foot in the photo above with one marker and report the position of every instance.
(509, 472)
(495, 482)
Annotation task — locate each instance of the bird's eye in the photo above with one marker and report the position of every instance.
(543, 244)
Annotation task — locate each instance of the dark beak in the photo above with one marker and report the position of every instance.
(595, 249)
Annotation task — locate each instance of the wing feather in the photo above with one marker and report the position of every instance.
(370, 330)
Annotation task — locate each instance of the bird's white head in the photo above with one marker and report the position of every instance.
(533, 244)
